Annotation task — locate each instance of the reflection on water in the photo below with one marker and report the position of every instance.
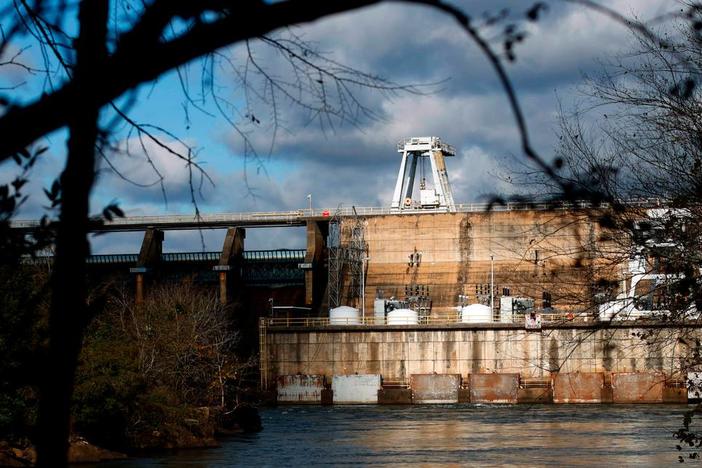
(449, 435)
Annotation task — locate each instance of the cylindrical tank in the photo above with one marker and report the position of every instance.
(344, 315)
(403, 317)
(476, 313)
(379, 311)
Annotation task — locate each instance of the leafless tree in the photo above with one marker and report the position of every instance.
(634, 143)
(121, 45)
(183, 340)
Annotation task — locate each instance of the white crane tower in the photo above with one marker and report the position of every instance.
(418, 150)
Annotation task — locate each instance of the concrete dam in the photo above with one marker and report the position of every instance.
(433, 302)
(430, 301)
(543, 259)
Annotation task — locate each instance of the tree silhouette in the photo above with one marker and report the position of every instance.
(105, 61)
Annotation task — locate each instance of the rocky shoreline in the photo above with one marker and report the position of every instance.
(199, 430)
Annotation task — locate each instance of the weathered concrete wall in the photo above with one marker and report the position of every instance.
(494, 388)
(356, 389)
(578, 387)
(400, 351)
(534, 251)
(300, 388)
(395, 396)
(435, 388)
(632, 387)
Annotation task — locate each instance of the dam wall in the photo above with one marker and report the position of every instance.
(529, 251)
(632, 357)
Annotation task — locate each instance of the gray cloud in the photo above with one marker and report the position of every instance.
(357, 164)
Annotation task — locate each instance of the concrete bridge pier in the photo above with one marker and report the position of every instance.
(315, 271)
(149, 258)
(230, 264)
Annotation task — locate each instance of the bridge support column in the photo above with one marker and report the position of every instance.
(314, 277)
(230, 262)
(149, 258)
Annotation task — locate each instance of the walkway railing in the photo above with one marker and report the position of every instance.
(298, 217)
(290, 322)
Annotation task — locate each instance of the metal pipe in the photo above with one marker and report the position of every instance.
(363, 286)
(492, 285)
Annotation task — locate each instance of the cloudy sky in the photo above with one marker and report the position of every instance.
(352, 162)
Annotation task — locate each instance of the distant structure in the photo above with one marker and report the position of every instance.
(416, 151)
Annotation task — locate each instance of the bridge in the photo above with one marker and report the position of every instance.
(258, 267)
(300, 217)
(234, 266)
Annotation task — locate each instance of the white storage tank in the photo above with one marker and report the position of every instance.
(344, 315)
(476, 313)
(403, 317)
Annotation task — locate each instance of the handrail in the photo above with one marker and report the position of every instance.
(430, 320)
(296, 217)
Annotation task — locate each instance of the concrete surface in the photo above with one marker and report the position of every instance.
(435, 388)
(494, 388)
(578, 387)
(300, 388)
(356, 389)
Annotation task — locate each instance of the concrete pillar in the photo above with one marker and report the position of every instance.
(149, 258)
(314, 276)
(139, 292)
(230, 264)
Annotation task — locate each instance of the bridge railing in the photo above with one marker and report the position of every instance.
(275, 255)
(297, 217)
(108, 259)
(172, 257)
(253, 256)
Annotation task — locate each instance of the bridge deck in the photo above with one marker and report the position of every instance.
(299, 217)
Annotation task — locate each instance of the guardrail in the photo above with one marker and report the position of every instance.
(290, 322)
(298, 217)
(449, 319)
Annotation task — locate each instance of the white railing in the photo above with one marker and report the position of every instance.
(450, 319)
(299, 216)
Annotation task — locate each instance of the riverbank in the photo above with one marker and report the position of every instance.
(79, 451)
(200, 431)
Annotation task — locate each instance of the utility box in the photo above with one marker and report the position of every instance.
(379, 311)
(428, 197)
(511, 307)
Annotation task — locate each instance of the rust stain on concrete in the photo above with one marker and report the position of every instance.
(300, 388)
(494, 388)
(637, 387)
(435, 388)
(578, 387)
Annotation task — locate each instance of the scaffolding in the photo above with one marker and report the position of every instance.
(336, 260)
(347, 255)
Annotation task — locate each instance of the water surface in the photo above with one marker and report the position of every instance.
(477, 435)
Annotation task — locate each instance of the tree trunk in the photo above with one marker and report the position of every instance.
(68, 312)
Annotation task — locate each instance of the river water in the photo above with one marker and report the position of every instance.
(476, 435)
